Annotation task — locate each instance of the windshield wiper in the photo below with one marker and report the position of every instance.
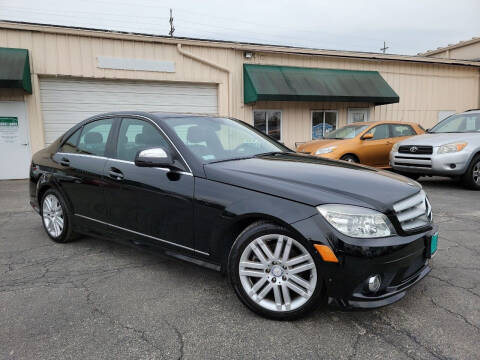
(231, 159)
(273, 153)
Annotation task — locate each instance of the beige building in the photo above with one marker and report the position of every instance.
(52, 77)
(464, 50)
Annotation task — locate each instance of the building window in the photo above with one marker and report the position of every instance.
(269, 122)
(323, 122)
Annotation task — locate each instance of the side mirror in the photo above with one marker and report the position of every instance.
(367, 136)
(155, 157)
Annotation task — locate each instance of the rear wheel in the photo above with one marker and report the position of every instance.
(350, 158)
(471, 179)
(274, 272)
(56, 217)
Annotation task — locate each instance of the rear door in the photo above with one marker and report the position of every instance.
(150, 205)
(82, 160)
(375, 151)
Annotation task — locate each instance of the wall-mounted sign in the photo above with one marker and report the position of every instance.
(108, 62)
(9, 133)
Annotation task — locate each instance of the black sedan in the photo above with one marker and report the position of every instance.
(288, 229)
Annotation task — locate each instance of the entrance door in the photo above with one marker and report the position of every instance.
(357, 115)
(14, 143)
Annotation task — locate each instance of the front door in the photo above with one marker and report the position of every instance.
(357, 115)
(148, 205)
(14, 142)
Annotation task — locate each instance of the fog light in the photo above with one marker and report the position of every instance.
(374, 283)
(453, 166)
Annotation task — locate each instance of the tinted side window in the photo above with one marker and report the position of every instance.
(380, 132)
(136, 135)
(94, 137)
(402, 130)
(70, 146)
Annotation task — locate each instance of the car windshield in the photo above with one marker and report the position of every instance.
(346, 132)
(461, 123)
(222, 139)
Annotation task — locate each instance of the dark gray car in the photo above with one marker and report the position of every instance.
(451, 148)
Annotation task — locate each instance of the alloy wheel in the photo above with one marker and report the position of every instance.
(52, 214)
(476, 173)
(277, 272)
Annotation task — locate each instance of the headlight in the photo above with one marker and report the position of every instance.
(451, 148)
(356, 221)
(395, 147)
(325, 150)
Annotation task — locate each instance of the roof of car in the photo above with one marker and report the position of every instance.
(151, 114)
(382, 122)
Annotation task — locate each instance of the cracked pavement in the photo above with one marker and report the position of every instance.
(93, 299)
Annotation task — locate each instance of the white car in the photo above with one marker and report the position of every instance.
(451, 148)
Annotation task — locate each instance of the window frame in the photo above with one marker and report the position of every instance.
(110, 139)
(324, 111)
(373, 127)
(114, 149)
(266, 111)
(410, 126)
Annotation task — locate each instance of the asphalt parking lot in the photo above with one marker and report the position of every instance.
(92, 299)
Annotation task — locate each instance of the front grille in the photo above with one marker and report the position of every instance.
(413, 165)
(414, 212)
(415, 149)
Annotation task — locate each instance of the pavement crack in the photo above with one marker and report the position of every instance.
(411, 337)
(457, 315)
(179, 336)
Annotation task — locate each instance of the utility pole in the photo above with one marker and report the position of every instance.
(172, 28)
(385, 47)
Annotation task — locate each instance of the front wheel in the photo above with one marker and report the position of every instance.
(471, 179)
(274, 272)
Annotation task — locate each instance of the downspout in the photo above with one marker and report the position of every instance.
(216, 66)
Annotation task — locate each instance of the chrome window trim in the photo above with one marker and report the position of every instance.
(87, 155)
(142, 234)
(121, 116)
(126, 162)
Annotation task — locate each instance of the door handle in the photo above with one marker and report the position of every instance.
(65, 162)
(116, 174)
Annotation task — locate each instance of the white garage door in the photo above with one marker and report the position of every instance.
(65, 102)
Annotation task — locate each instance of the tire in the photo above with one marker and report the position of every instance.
(471, 179)
(268, 296)
(350, 158)
(56, 217)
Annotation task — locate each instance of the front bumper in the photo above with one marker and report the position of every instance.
(452, 164)
(401, 262)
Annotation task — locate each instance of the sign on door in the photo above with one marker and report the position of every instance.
(9, 131)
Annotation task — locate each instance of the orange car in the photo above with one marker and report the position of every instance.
(368, 143)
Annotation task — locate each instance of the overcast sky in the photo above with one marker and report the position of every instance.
(408, 26)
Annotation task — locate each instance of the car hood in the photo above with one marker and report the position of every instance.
(313, 146)
(314, 181)
(440, 139)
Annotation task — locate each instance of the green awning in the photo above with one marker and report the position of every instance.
(15, 69)
(288, 83)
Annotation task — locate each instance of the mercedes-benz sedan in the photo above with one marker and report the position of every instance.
(288, 229)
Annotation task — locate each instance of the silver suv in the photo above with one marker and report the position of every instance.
(450, 148)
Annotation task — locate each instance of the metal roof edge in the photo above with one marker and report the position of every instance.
(114, 34)
(451, 46)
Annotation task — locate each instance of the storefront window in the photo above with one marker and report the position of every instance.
(269, 122)
(323, 122)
